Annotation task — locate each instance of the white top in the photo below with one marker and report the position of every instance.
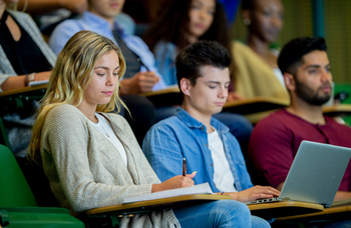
(279, 75)
(223, 176)
(276, 71)
(104, 127)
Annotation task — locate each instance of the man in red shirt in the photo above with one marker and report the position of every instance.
(275, 140)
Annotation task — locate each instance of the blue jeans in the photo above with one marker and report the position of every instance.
(219, 214)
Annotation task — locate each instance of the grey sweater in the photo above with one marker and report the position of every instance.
(86, 171)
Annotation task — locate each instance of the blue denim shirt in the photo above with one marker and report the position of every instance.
(89, 21)
(181, 136)
(165, 55)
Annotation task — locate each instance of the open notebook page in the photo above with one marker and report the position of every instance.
(196, 189)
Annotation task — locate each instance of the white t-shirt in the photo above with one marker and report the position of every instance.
(104, 127)
(279, 75)
(223, 177)
(276, 71)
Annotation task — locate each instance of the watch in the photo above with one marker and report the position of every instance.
(29, 78)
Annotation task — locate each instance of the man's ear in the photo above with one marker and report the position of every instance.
(289, 81)
(185, 86)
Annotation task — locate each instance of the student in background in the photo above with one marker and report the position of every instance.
(257, 68)
(275, 139)
(192, 133)
(25, 58)
(92, 158)
(180, 24)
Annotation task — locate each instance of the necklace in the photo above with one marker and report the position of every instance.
(102, 126)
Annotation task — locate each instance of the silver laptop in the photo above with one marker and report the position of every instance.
(315, 174)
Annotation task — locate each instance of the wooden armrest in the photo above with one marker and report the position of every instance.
(158, 203)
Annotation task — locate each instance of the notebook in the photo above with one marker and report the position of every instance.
(315, 174)
(196, 189)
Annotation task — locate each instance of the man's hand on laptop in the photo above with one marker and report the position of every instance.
(254, 193)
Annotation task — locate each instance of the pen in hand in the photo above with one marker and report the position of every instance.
(184, 167)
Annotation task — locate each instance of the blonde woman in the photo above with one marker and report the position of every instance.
(91, 157)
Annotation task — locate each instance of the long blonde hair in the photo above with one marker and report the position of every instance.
(71, 76)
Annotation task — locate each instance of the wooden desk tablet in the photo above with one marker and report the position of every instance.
(328, 213)
(255, 109)
(284, 208)
(144, 206)
(339, 110)
(267, 210)
(255, 105)
(165, 97)
(254, 118)
(24, 90)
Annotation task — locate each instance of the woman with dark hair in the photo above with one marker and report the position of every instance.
(257, 69)
(180, 24)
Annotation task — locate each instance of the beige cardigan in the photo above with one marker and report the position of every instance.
(255, 77)
(86, 171)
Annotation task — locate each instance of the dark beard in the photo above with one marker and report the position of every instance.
(306, 93)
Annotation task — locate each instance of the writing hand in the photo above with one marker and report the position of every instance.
(174, 182)
(254, 193)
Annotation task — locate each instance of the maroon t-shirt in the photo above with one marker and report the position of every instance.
(275, 140)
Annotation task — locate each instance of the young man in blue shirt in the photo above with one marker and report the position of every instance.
(192, 133)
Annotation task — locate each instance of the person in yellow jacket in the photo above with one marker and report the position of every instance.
(257, 70)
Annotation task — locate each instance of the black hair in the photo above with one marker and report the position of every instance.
(248, 4)
(202, 53)
(172, 25)
(292, 52)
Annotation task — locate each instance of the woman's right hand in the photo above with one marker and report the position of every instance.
(174, 182)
